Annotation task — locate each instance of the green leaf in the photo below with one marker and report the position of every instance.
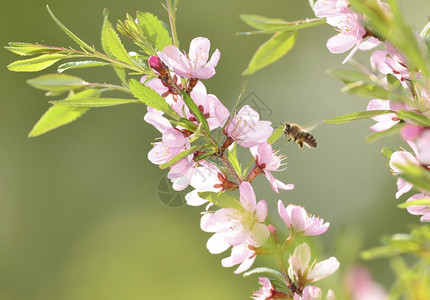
(77, 40)
(356, 116)
(57, 82)
(271, 28)
(350, 76)
(204, 156)
(417, 175)
(232, 157)
(151, 98)
(263, 270)
(262, 23)
(93, 102)
(368, 90)
(36, 63)
(55, 117)
(414, 117)
(414, 202)
(379, 252)
(221, 200)
(80, 65)
(387, 152)
(154, 31)
(120, 72)
(377, 135)
(192, 106)
(272, 50)
(181, 156)
(116, 48)
(25, 49)
(276, 135)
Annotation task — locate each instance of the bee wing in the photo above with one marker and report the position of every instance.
(312, 125)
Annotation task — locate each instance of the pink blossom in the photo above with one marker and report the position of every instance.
(297, 220)
(196, 64)
(410, 132)
(172, 143)
(423, 147)
(402, 158)
(384, 121)
(352, 33)
(236, 226)
(207, 178)
(246, 129)
(182, 172)
(268, 161)
(266, 290)
(423, 210)
(211, 107)
(241, 255)
(326, 8)
(391, 61)
(361, 286)
(299, 264)
(314, 293)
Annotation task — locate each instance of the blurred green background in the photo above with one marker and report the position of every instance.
(80, 216)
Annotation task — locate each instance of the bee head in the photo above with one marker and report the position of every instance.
(287, 127)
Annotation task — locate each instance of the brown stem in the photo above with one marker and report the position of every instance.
(290, 284)
(230, 168)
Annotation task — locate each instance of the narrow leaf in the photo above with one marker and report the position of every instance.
(93, 102)
(36, 63)
(349, 76)
(377, 135)
(181, 156)
(367, 90)
(151, 98)
(262, 23)
(116, 48)
(55, 117)
(195, 111)
(387, 152)
(272, 50)
(57, 82)
(414, 117)
(204, 156)
(120, 72)
(154, 31)
(357, 116)
(80, 65)
(263, 270)
(77, 40)
(287, 26)
(222, 200)
(25, 49)
(414, 202)
(276, 135)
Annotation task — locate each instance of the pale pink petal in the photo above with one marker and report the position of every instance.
(259, 234)
(261, 211)
(315, 226)
(341, 43)
(212, 63)
(194, 199)
(156, 119)
(175, 60)
(247, 196)
(403, 187)
(423, 210)
(216, 244)
(298, 217)
(369, 43)
(323, 269)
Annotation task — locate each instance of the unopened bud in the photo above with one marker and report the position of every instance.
(155, 63)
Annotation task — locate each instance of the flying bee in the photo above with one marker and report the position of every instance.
(300, 136)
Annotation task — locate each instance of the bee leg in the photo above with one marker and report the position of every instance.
(300, 143)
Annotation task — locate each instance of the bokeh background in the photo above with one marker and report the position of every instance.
(84, 215)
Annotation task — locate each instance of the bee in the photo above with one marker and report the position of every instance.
(300, 136)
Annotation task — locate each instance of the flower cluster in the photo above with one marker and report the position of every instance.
(236, 224)
(352, 33)
(391, 62)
